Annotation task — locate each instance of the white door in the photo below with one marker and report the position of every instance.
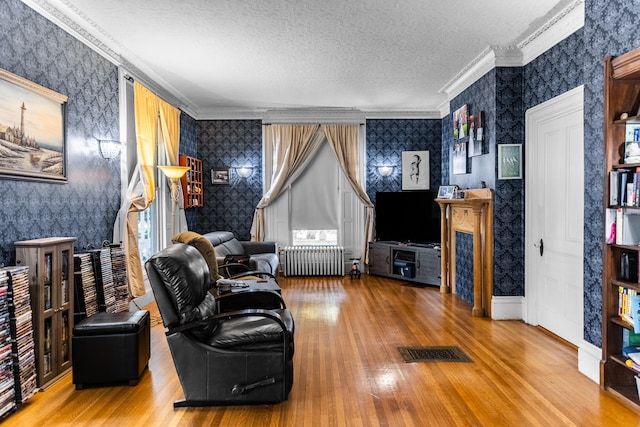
(554, 216)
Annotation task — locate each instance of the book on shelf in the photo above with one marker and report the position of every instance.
(610, 225)
(627, 226)
(624, 187)
(634, 301)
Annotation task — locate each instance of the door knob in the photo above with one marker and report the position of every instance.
(540, 246)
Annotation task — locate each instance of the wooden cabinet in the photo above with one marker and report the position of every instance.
(414, 263)
(50, 262)
(192, 188)
(621, 102)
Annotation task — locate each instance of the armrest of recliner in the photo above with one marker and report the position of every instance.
(229, 315)
(253, 273)
(236, 297)
(251, 247)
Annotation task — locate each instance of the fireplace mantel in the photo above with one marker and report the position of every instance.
(472, 214)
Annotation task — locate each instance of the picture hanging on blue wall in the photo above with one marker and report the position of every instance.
(415, 170)
(461, 122)
(477, 146)
(32, 130)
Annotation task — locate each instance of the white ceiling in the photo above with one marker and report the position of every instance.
(219, 56)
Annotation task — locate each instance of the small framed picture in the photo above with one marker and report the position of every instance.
(461, 122)
(446, 191)
(415, 170)
(220, 176)
(509, 161)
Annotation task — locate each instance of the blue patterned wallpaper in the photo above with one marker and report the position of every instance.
(34, 48)
(610, 29)
(388, 138)
(230, 143)
(464, 266)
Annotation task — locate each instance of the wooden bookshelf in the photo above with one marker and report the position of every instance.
(621, 103)
(192, 188)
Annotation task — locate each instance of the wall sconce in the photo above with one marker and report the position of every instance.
(385, 170)
(244, 171)
(108, 148)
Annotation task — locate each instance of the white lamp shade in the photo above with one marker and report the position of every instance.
(174, 172)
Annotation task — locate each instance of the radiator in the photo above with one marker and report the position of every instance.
(314, 261)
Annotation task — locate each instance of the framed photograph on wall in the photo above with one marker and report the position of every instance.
(509, 161)
(477, 146)
(461, 122)
(220, 176)
(459, 158)
(32, 131)
(415, 170)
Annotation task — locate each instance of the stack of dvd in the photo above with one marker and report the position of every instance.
(86, 297)
(7, 381)
(121, 283)
(103, 271)
(22, 334)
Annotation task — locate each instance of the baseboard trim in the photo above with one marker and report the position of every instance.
(507, 307)
(589, 357)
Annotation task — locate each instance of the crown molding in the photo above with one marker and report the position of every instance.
(558, 28)
(319, 115)
(314, 115)
(94, 37)
(562, 25)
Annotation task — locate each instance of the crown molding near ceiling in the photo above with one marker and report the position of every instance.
(317, 115)
(105, 46)
(562, 25)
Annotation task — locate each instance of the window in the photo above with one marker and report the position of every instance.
(315, 237)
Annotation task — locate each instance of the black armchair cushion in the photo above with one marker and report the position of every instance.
(253, 332)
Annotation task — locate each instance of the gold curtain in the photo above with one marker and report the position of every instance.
(344, 141)
(291, 145)
(148, 107)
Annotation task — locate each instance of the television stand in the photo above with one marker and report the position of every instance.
(418, 263)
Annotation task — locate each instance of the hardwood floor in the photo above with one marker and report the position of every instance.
(348, 371)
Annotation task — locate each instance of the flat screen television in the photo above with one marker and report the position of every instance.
(407, 217)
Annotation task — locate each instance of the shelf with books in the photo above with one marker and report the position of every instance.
(621, 250)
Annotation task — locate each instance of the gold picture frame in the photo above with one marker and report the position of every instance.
(32, 131)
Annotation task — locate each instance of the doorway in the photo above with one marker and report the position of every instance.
(554, 207)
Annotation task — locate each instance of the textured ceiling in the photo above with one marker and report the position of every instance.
(241, 55)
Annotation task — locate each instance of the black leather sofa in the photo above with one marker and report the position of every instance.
(235, 357)
(263, 256)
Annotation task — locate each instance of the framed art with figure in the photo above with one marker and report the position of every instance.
(415, 170)
(32, 131)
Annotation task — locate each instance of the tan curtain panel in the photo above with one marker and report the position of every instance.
(292, 145)
(344, 141)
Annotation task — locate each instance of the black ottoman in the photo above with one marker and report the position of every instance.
(111, 348)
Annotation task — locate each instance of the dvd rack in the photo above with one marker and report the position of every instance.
(7, 381)
(121, 283)
(105, 285)
(86, 298)
(22, 339)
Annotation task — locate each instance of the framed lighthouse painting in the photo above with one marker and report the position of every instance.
(32, 131)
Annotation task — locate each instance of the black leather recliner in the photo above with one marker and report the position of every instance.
(237, 357)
